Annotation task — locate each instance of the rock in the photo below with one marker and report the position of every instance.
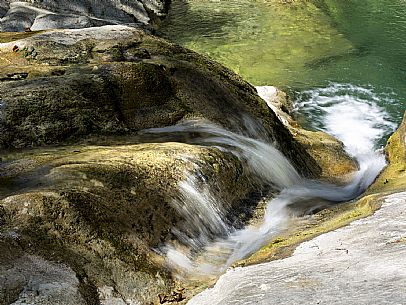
(391, 180)
(18, 16)
(116, 80)
(393, 177)
(85, 193)
(362, 264)
(29, 279)
(100, 199)
(101, 211)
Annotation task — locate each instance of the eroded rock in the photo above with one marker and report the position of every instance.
(336, 165)
(17, 16)
(102, 211)
(118, 80)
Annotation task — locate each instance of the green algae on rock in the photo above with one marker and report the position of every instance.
(393, 177)
(117, 80)
(102, 209)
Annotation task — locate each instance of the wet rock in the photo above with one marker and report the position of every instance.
(361, 264)
(118, 80)
(336, 165)
(391, 182)
(393, 177)
(102, 211)
(98, 209)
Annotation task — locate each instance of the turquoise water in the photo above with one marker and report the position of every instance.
(304, 45)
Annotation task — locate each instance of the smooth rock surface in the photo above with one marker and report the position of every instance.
(17, 16)
(66, 85)
(101, 211)
(363, 264)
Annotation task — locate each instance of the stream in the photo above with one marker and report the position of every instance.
(212, 243)
(343, 62)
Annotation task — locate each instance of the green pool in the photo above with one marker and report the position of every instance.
(302, 46)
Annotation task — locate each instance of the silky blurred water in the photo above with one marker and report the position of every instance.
(344, 63)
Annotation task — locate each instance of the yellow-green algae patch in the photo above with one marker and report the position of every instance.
(11, 36)
(393, 177)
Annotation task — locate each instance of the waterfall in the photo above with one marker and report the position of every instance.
(347, 112)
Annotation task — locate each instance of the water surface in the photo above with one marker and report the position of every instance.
(302, 45)
(343, 61)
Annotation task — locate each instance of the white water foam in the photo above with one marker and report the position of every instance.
(350, 114)
(347, 112)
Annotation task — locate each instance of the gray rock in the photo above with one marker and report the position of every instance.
(363, 263)
(28, 279)
(40, 15)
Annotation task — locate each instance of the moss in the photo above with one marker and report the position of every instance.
(102, 208)
(393, 177)
(150, 83)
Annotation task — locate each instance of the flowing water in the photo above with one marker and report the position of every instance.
(343, 61)
(212, 243)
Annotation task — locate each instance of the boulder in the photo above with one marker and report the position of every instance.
(68, 85)
(18, 16)
(86, 199)
(89, 219)
(336, 165)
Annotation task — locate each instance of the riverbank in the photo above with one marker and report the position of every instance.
(361, 263)
(85, 191)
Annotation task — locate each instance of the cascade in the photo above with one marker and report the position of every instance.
(213, 244)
